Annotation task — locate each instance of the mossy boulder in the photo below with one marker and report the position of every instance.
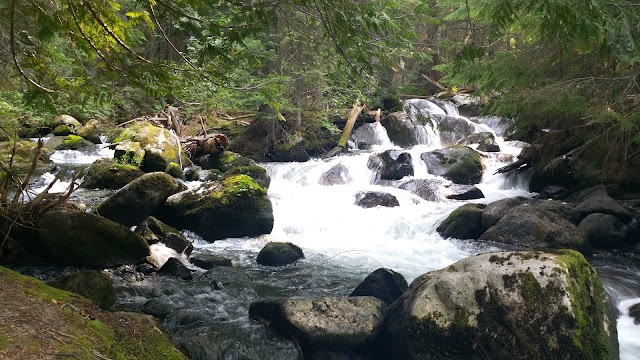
(160, 146)
(279, 254)
(528, 226)
(23, 155)
(63, 130)
(458, 163)
(488, 145)
(175, 171)
(128, 153)
(224, 161)
(257, 173)
(384, 284)
(102, 174)
(401, 130)
(234, 207)
(68, 120)
(91, 131)
(476, 138)
(140, 198)
(83, 239)
(92, 284)
(526, 305)
(154, 231)
(74, 142)
(292, 150)
(32, 310)
(391, 164)
(464, 222)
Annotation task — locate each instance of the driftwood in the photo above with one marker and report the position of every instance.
(342, 143)
(211, 144)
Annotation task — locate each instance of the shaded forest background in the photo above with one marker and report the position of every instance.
(566, 71)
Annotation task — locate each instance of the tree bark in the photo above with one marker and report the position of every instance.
(348, 127)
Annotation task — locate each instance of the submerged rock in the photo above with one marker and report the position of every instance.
(369, 199)
(428, 189)
(337, 175)
(528, 305)
(460, 164)
(384, 284)
(133, 203)
(279, 254)
(207, 261)
(233, 207)
(391, 164)
(334, 323)
(83, 239)
(529, 226)
(464, 222)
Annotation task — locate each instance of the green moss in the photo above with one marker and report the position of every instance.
(174, 170)
(242, 185)
(91, 284)
(126, 134)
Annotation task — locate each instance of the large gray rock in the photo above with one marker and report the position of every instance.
(233, 207)
(334, 323)
(476, 138)
(529, 226)
(603, 231)
(565, 211)
(603, 204)
(279, 254)
(509, 305)
(337, 175)
(140, 198)
(91, 131)
(464, 222)
(497, 209)
(391, 164)
(368, 135)
(463, 192)
(401, 130)
(428, 189)
(83, 239)
(460, 164)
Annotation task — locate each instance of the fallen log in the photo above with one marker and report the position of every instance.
(211, 144)
(342, 143)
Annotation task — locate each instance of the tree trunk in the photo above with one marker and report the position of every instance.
(351, 120)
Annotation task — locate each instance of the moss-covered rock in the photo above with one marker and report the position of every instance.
(234, 207)
(460, 164)
(528, 226)
(528, 305)
(23, 155)
(128, 153)
(160, 146)
(74, 142)
(140, 198)
(257, 173)
(208, 261)
(102, 174)
(292, 150)
(175, 171)
(391, 164)
(66, 120)
(279, 254)
(154, 231)
(92, 284)
(32, 310)
(464, 222)
(83, 239)
(63, 130)
(224, 161)
(91, 131)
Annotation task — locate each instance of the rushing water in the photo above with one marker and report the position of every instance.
(342, 243)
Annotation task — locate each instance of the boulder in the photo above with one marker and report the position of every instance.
(476, 138)
(83, 239)
(175, 267)
(453, 128)
(369, 135)
(208, 261)
(233, 207)
(460, 164)
(92, 284)
(369, 199)
(603, 231)
(528, 226)
(552, 192)
(580, 196)
(468, 105)
(563, 210)
(68, 120)
(401, 130)
(497, 209)
(525, 305)
(279, 254)
(224, 161)
(154, 231)
(488, 145)
(128, 152)
(334, 323)
(175, 171)
(63, 130)
(561, 174)
(384, 284)
(257, 173)
(22, 156)
(391, 164)
(464, 222)
(292, 150)
(603, 204)
(72, 142)
(102, 174)
(140, 198)
(428, 189)
(160, 146)
(91, 131)
(338, 174)
(634, 312)
(463, 192)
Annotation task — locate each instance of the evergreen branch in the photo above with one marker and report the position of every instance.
(12, 43)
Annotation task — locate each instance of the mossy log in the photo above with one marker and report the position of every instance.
(351, 120)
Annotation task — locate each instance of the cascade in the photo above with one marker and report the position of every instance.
(343, 242)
